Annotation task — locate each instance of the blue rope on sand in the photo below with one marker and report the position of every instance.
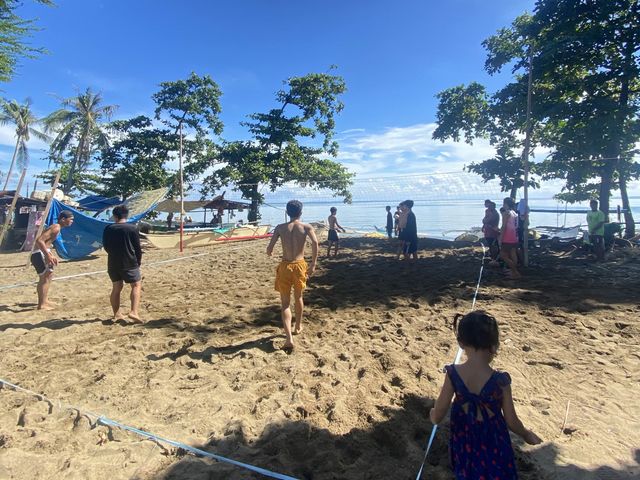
(456, 360)
(196, 451)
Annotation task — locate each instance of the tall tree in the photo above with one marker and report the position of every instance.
(78, 127)
(276, 155)
(586, 66)
(20, 115)
(468, 112)
(136, 158)
(190, 106)
(14, 31)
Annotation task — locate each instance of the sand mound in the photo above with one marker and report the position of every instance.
(351, 402)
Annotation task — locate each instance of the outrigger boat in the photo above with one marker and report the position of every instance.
(207, 238)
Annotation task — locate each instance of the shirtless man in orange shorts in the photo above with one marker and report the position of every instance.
(292, 271)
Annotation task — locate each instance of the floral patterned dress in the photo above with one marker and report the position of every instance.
(480, 445)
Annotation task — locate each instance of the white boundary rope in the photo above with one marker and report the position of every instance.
(456, 360)
(102, 420)
(98, 272)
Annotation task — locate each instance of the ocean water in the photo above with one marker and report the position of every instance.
(440, 219)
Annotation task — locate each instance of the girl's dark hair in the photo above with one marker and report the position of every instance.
(477, 329)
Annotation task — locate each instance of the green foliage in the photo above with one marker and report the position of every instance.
(468, 112)
(586, 97)
(14, 30)
(20, 115)
(587, 57)
(78, 128)
(276, 155)
(136, 157)
(84, 181)
(192, 103)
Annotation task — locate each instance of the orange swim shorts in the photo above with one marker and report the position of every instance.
(291, 274)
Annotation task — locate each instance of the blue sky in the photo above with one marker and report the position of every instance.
(394, 56)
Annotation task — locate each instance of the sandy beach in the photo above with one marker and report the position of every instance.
(352, 400)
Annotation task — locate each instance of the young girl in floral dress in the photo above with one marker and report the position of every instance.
(482, 412)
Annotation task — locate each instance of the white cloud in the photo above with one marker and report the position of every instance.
(8, 138)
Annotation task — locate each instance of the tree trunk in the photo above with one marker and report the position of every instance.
(514, 191)
(630, 226)
(254, 210)
(68, 184)
(13, 164)
(606, 184)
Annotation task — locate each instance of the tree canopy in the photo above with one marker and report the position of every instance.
(586, 97)
(278, 153)
(14, 32)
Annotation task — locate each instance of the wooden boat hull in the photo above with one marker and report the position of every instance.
(205, 239)
(172, 240)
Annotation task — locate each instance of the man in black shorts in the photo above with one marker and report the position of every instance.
(121, 241)
(44, 261)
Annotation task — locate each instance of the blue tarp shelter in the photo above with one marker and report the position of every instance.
(85, 235)
(97, 203)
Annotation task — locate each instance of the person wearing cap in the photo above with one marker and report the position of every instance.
(44, 261)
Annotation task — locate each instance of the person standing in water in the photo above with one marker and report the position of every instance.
(44, 261)
(334, 226)
(292, 271)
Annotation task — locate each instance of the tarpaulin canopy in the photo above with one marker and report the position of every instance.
(97, 203)
(173, 206)
(85, 235)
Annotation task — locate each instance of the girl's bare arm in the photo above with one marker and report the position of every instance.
(441, 407)
(513, 422)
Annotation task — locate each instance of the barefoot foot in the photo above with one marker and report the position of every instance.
(135, 317)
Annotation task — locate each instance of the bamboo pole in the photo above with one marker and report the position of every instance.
(525, 161)
(54, 186)
(7, 219)
(181, 195)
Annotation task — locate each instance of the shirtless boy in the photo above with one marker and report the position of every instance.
(292, 271)
(334, 227)
(44, 261)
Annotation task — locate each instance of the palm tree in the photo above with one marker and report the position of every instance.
(20, 115)
(78, 130)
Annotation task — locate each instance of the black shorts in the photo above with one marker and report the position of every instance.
(333, 236)
(40, 264)
(130, 275)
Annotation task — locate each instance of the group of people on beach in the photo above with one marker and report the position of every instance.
(120, 240)
(504, 232)
(482, 412)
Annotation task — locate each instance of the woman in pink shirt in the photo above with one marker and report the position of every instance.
(509, 237)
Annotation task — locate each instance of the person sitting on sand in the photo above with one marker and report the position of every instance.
(483, 411)
(44, 261)
(490, 229)
(409, 233)
(509, 237)
(334, 226)
(292, 271)
(121, 241)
